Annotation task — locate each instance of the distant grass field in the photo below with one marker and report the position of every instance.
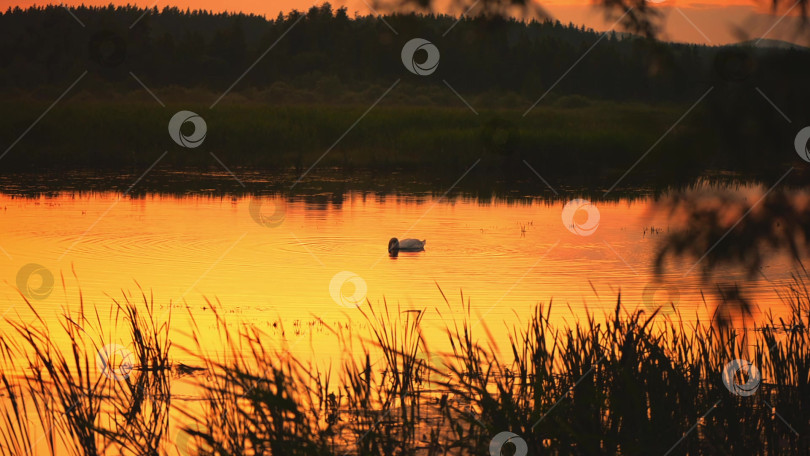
(569, 140)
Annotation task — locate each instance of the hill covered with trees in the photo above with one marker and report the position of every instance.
(291, 86)
(326, 50)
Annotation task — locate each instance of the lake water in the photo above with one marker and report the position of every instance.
(288, 260)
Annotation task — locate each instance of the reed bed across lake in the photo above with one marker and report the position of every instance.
(634, 382)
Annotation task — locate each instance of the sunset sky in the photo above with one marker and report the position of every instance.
(697, 21)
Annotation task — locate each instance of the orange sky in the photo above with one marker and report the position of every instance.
(700, 21)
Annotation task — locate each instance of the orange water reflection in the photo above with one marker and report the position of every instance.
(289, 261)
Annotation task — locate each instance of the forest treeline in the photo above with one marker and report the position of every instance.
(327, 52)
(291, 86)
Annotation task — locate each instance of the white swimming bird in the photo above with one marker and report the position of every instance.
(406, 245)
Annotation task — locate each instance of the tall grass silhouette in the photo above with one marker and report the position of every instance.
(57, 396)
(631, 382)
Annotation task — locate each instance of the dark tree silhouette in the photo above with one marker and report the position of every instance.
(634, 16)
(725, 228)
